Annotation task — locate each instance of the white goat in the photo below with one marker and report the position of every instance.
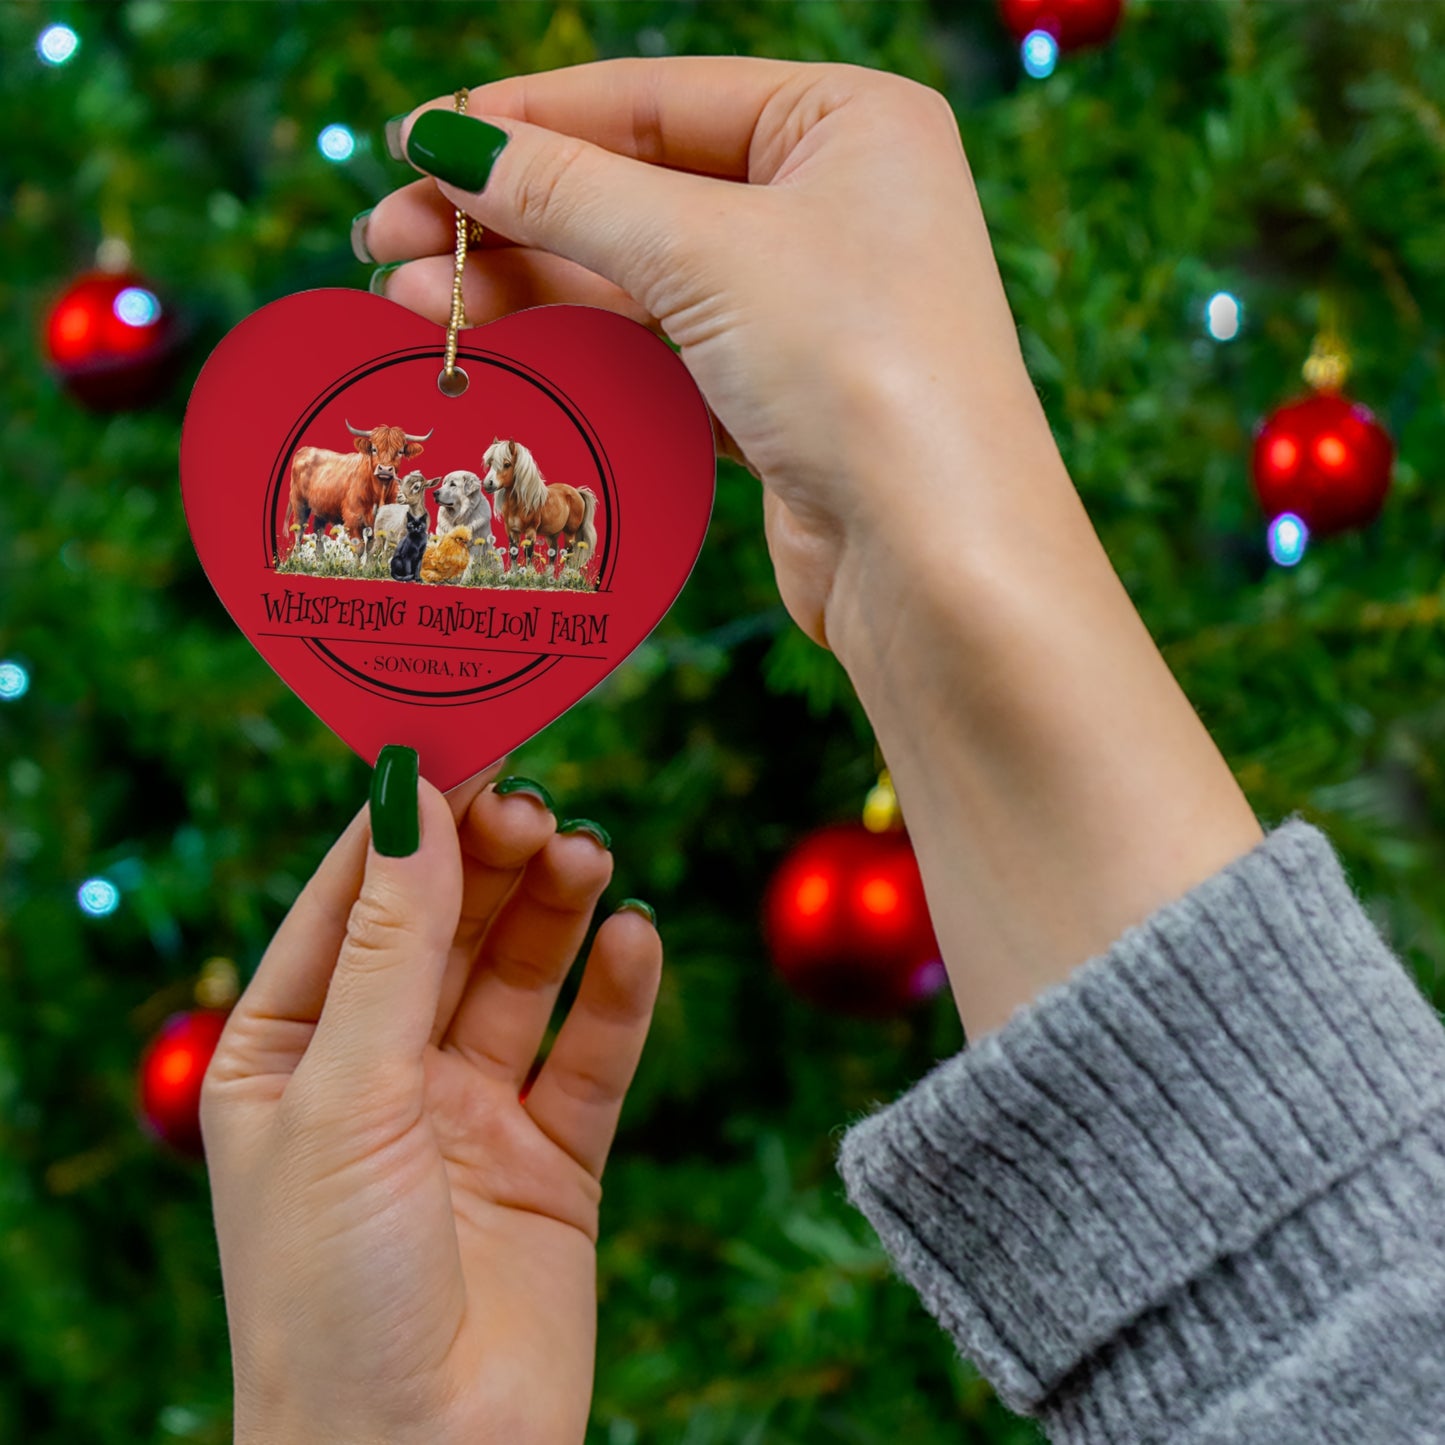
(391, 519)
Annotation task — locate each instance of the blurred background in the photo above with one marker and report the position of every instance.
(1187, 207)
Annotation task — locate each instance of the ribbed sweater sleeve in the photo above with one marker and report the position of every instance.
(1197, 1191)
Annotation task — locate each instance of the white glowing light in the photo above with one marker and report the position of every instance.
(1223, 316)
(336, 143)
(98, 897)
(1288, 538)
(57, 44)
(136, 306)
(1040, 52)
(14, 681)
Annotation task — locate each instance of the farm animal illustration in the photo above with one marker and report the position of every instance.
(406, 560)
(447, 558)
(528, 504)
(461, 502)
(389, 526)
(345, 488)
(366, 514)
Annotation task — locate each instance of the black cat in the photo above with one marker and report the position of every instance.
(406, 560)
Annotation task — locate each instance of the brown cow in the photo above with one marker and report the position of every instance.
(331, 487)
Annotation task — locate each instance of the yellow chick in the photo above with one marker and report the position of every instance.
(447, 558)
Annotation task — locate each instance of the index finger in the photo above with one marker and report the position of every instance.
(698, 113)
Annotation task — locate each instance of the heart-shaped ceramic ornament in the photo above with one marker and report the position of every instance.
(447, 572)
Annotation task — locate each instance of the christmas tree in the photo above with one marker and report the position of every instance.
(1179, 214)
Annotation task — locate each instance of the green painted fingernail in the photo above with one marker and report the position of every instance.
(636, 905)
(392, 132)
(377, 285)
(455, 148)
(507, 786)
(586, 825)
(395, 825)
(359, 248)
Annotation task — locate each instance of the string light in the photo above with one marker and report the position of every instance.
(136, 306)
(57, 44)
(929, 979)
(336, 143)
(14, 681)
(1288, 538)
(1040, 53)
(98, 897)
(1223, 316)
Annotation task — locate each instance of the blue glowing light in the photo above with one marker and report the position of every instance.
(336, 143)
(1223, 316)
(14, 681)
(57, 44)
(1040, 52)
(137, 307)
(1288, 538)
(98, 897)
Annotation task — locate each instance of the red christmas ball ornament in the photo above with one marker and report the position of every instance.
(171, 1071)
(111, 341)
(1326, 459)
(1072, 23)
(847, 923)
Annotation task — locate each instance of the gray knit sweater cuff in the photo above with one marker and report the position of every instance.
(1134, 1190)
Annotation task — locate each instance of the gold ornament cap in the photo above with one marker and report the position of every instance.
(881, 813)
(1328, 366)
(219, 985)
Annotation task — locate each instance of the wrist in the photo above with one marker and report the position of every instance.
(266, 1418)
(1057, 784)
(279, 1429)
(955, 512)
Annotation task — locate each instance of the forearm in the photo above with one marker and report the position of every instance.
(1056, 782)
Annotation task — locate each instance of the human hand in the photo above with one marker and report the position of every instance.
(408, 1249)
(810, 237)
(841, 312)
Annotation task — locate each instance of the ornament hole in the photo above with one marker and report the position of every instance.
(452, 383)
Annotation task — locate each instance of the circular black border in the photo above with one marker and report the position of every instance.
(610, 548)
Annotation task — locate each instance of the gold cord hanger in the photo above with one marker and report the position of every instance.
(453, 380)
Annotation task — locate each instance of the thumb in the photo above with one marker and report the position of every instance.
(623, 219)
(382, 999)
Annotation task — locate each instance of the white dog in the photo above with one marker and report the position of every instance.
(461, 502)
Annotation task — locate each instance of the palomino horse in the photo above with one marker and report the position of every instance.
(527, 504)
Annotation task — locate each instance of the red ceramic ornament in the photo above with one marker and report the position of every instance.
(171, 1071)
(314, 411)
(1324, 458)
(1073, 23)
(111, 340)
(847, 923)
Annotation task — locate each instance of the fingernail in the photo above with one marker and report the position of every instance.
(377, 284)
(393, 137)
(359, 248)
(636, 905)
(455, 148)
(586, 825)
(395, 825)
(525, 785)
